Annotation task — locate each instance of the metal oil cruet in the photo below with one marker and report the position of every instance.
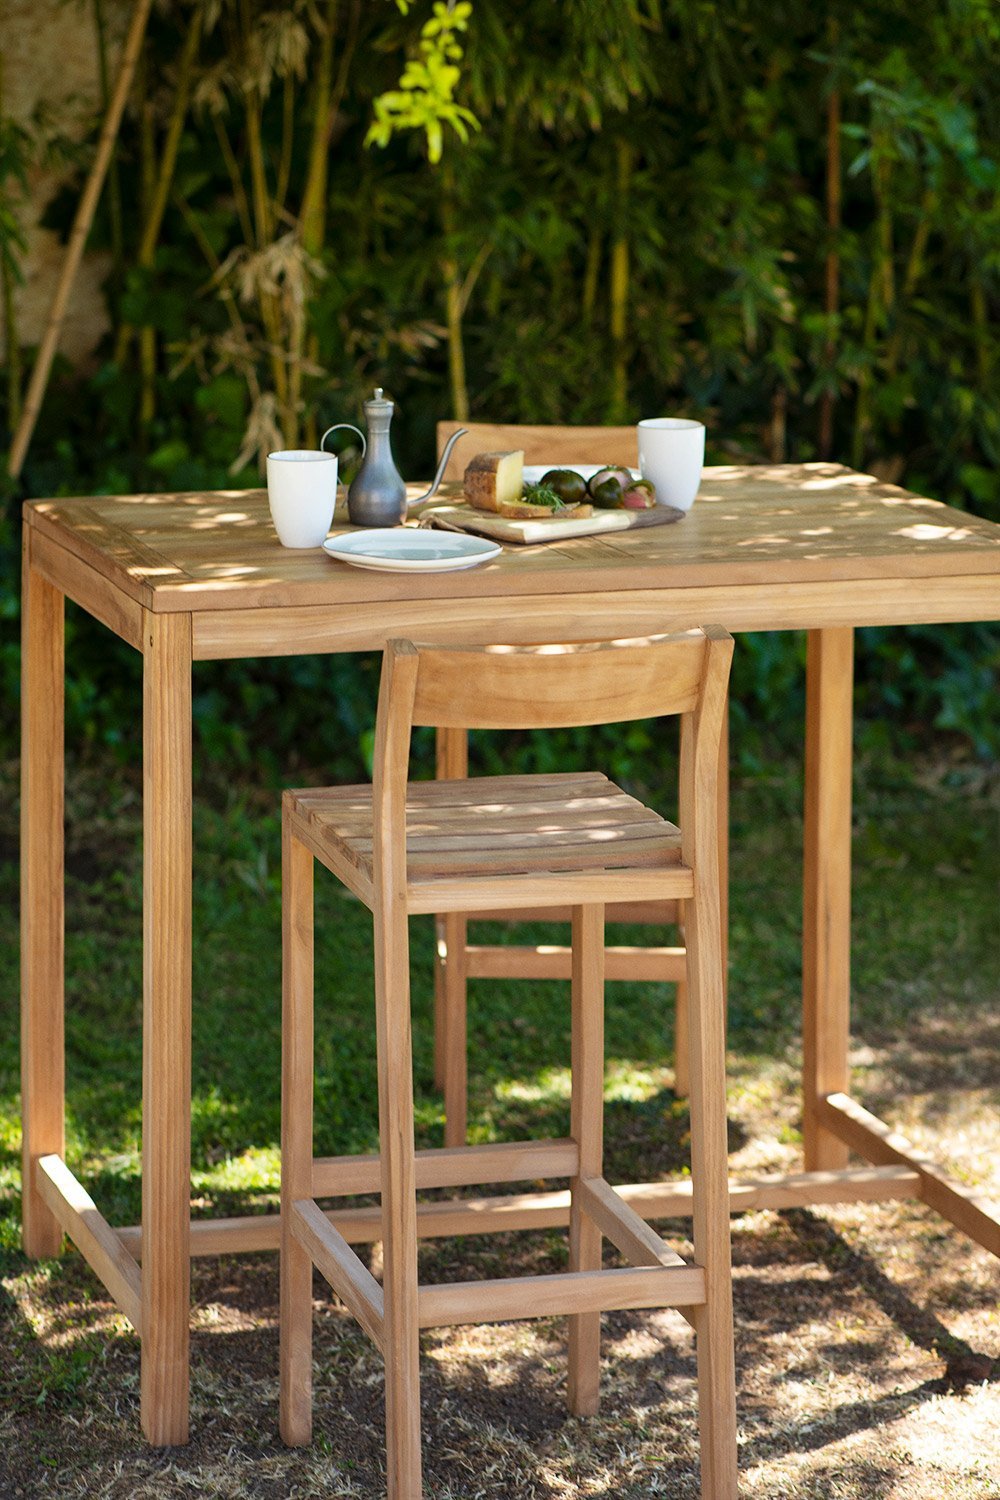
(377, 496)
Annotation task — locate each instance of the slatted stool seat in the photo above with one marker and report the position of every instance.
(510, 842)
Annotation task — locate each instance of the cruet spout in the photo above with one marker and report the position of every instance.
(459, 432)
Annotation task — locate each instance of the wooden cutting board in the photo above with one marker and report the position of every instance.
(450, 516)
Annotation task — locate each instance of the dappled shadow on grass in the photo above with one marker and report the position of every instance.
(963, 1364)
(824, 1355)
(831, 1344)
(935, 1053)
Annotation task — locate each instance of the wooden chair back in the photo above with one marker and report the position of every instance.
(542, 445)
(558, 686)
(546, 687)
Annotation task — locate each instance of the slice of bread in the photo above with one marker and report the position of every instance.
(523, 510)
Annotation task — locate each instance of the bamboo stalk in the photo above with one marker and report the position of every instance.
(862, 418)
(779, 425)
(258, 172)
(981, 328)
(312, 217)
(453, 301)
(620, 292)
(287, 141)
(881, 290)
(147, 380)
(473, 274)
(591, 276)
(831, 297)
(160, 190)
(911, 278)
(236, 179)
(172, 141)
(114, 180)
(263, 225)
(882, 179)
(12, 341)
(147, 175)
(78, 238)
(13, 346)
(312, 213)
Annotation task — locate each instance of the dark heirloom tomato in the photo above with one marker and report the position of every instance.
(568, 485)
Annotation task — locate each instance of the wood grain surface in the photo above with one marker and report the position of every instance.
(786, 524)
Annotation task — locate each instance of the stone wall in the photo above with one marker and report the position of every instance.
(50, 60)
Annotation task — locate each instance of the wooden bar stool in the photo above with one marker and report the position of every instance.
(456, 959)
(509, 842)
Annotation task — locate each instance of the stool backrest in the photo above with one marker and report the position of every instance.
(558, 686)
(546, 686)
(541, 445)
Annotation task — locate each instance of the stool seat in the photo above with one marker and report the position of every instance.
(492, 827)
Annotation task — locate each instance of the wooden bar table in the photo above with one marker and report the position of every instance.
(186, 578)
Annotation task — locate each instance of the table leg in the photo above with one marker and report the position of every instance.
(826, 938)
(166, 1043)
(42, 942)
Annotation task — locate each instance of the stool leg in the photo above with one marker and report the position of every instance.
(682, 1085)
(451, 933)
(709, 1171)
(440, 1010)
(296, 1134)
(453, 1042)
(587, 1129)
(399, 1208)
(682, 1044)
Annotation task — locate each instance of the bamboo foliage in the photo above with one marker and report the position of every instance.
(660, 210)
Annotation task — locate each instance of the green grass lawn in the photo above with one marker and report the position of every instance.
(926, 967)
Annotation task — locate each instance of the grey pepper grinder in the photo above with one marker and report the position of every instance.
(377, 496)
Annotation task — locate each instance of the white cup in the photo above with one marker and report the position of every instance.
(671, 456)
(302, 492)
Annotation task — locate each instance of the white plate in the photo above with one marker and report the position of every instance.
(403, 549)
(534, 472)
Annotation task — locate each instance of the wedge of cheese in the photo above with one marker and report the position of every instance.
(494, 480)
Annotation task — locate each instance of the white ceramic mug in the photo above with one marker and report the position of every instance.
(302, 491)
(671, 456)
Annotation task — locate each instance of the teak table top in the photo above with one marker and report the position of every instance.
(779, 524)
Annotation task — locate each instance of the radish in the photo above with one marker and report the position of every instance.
(639, 495)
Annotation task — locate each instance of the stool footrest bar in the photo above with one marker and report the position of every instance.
(511, 1299)
(870, 1137)
(515, 961)
(332, 1255)
(632, 913)
(620, 1223)
(450, 1166)
(92, 1235)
